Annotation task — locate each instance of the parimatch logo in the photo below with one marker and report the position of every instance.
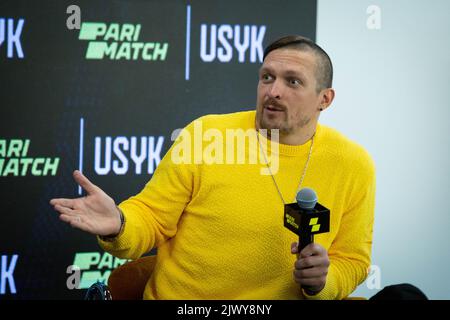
(120, 42)
(90, 267)
(14, 160)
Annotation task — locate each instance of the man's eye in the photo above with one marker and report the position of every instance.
(266, 77)
(294, 82)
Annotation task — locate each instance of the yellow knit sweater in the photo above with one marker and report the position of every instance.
(219, 227)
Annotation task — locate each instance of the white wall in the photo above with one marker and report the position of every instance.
(392, 89)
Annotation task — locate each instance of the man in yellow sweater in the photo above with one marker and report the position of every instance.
(217, 219)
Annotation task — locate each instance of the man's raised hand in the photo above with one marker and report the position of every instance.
(95, 213)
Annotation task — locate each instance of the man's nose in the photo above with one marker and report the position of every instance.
(275, 90)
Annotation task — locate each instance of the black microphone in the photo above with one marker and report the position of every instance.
(306, 200)
(307, 217)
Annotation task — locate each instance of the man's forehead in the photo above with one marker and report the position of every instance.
(289, 59)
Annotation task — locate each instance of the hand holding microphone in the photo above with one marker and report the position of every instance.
(311, 267)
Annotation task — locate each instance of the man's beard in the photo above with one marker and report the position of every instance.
(281, 123)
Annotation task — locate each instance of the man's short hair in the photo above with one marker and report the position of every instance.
(324, 67)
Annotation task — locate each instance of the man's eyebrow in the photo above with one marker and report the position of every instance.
(265, 69)
(293, 73)
(288, 73)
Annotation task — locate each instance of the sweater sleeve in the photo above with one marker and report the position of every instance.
(151, 216)
(350, 252)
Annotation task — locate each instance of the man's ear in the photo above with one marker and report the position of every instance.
(327, 97)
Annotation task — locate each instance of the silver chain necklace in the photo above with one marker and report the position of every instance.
(270, 171)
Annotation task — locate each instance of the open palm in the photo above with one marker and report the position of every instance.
(95, 213)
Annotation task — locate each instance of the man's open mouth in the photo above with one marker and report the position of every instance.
(273, 108)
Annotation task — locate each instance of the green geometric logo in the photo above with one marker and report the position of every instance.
(314, 223)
